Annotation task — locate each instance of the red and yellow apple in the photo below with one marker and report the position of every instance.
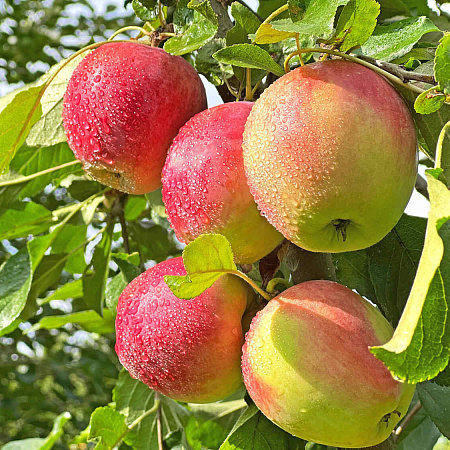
(330, 156)
(189, 350)
(307, 366)
(204, 185)
(124, 104)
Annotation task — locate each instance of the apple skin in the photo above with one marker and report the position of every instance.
(189, 350)
(307, 366)
(330, 152)
(204, 185)
(124, 104)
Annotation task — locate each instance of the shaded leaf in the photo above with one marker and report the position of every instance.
(436, 401)
(442, 64)
(108, 426)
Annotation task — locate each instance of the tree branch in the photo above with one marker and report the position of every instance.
(159, 422)
(421, 187)
(403, 74)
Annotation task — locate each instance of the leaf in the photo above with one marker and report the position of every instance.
(205, 259)
(15, 283)
(134, 399)
(48, 130)
(94, 285)
(442, 444)
(391, 8)
(420, 347)
(108, 426)
(422, 437)
(70, 238)
(213, 71)
(435, 400)
(147, 12)
(442, 64)
(428, 102)
(253, 431)
(42, 443)
(396, 39)
(245, 23)
(356, 23)
(195, 36)
(247, 55)
(384, 273)
(89, 320)
(205, 9)
(267, 34)
(16, 120)
(317, 18)
(26, 218)
(72, 290)
(135, 205)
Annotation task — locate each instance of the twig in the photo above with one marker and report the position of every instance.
(416, 408)
(421, 187)
(404, 75)
(123, 224)
(250, 9)
(159, 422)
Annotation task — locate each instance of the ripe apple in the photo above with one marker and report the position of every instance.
(124, 104)
(330, 155)
(307, 366)
(189, 350)
(204, 185)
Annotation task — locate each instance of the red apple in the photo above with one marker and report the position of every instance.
(124, 104)
(204, 185)
(189, 350)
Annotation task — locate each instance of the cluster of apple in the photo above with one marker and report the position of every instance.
(326, 158)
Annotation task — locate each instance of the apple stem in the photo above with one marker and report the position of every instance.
(277, 12)
(414, 410)
(246, 278)
(299, 47)
(159, 421)
(270, 288)
(131, 27)
(248, 84)
(388, 75)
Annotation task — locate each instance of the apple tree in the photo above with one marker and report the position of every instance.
(273, 294)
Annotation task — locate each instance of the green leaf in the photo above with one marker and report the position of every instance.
(70, 238)
(73, 290)
(145, 13)
(267, 34)
(205, 9)
(317, 18)
(134, 399)
(134, 207)
(384, 273)
(88, 320)
(420, 347)
(48, 130)
(108, 426)
(435, 400)
(442, 64)
(16, 121)
(247, 55)
(442, 444)
(428, 102)
(94, 285)
(15, 283)
(391, 8)
(26, 218)
(205, 259)
(42, 443)
(356, 23)
(201, 435)
(392, 41)
(253, 431)
(245, 23)
(195, 36)
(213, 71)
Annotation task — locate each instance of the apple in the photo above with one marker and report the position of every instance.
(204, 185)
(189, 350)
(330, 153)
(307, 366)
(124, 104)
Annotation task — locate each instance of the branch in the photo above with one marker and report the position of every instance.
(159, 422)
(250, 9)
(414, 410)
(421, 187)
(404, 75)
(123, 223)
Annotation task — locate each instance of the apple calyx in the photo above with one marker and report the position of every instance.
(340, 226)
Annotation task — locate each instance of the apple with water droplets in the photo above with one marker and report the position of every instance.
(189, 350)
(204, 185)
(330, 153)
(307, 366)
(124, 104)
